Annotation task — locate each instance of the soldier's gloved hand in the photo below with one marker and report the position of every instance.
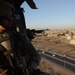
(4, 72)
(31, 71)
(32, 67)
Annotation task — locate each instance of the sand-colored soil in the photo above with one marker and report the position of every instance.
(55, 45)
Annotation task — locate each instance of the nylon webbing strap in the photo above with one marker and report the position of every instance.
(4, 39)
(7, 54)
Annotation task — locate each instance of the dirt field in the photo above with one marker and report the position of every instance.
(55, 45)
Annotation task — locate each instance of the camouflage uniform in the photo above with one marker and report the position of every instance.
(29, 52)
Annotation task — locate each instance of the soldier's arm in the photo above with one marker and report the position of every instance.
(34, 55)
(4, 72)
(29, 48)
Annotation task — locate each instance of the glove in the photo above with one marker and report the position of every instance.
(33, 65)
(4, 72)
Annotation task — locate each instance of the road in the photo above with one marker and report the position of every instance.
(61, 60)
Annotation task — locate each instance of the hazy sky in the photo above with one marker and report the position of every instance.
(51, 14)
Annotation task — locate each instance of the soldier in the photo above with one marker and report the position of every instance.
(28, 52)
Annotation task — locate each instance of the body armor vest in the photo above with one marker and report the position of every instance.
(6, 48)
(5, 41)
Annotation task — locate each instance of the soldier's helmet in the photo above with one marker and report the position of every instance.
(6, 12)
(5, 9)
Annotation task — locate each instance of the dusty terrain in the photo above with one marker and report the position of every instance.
(56, 45)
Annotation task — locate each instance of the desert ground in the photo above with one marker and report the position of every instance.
(55, 45)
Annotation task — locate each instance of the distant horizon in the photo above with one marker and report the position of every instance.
(51, 28)
(51, 14)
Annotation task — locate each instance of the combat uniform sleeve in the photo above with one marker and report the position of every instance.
(34, 55)
(29, 48)
(32, 51)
